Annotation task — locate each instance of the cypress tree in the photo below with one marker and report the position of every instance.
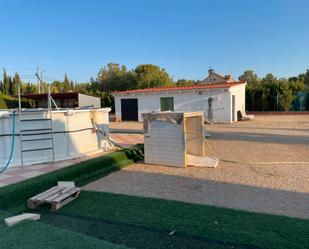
(16, 82)
(66, 83)
(4, 82)
(10, 86)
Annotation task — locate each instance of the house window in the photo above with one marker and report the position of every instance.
(167, 104)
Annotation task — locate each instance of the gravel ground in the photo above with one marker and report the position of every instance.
(126, 125)
(278, 189)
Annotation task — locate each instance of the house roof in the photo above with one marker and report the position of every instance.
(37, 96)
(183, 88)
(65, 95)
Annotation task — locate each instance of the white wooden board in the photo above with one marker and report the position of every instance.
(18, 218)
(197, 161)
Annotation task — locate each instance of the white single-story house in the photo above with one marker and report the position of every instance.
(220, 101)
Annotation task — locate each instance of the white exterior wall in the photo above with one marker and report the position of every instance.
(196, 100)
(67, 145)
(199, 102)
(86, 100)
(240, 98)
(214, 78)
(145, 103)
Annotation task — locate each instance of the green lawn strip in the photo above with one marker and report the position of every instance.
(3, 214)
(217, 224)
(135, 236)
(36, 235)
(13, 198)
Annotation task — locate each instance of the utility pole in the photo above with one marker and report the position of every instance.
(19, 100)
(38, 81)
(41, 77)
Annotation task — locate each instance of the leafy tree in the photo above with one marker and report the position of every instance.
(300, 77)
(270, 86)
(286, 97)
(57, 86)
(10, 88)
(83, 87)
(249, 76)
(269, 79)
(6, 82)
(29, 88)
(306, 78)
(115, 77)
(16, 82)
(261, 94)
(265, 96)
(148, 75)
(293, 78)
(184, 82)
(252, 96)
(296, 85)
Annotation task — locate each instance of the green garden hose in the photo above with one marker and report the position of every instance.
(12, 146)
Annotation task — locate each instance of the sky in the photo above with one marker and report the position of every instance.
(184, 37)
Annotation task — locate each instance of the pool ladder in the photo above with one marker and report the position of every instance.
(28, 135)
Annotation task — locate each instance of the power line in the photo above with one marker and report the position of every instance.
(51, 78)
(48, 77)
(23, 75)
(58, 74)
(18, 69)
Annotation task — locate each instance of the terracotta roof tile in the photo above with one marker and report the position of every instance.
(183, 88)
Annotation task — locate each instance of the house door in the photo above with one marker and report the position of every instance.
(129, 110)
(233, 107)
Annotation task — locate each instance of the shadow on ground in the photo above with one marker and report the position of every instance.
(207, 192)
(259, 137)
(135, 236)
(262, 128)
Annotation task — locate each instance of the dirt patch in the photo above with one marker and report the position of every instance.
(278, 189)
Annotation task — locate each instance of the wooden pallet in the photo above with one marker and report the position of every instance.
(57, 196)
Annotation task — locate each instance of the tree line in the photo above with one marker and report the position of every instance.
(9, 85)
(268, 93)
(275, 94)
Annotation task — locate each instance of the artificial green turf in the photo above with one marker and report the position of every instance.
(135, 236)
(14, 197)
(94, 218)
(217, 226)
(35, 235)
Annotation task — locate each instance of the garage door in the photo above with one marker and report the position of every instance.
(129, 110)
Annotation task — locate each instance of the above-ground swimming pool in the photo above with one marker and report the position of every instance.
(72, 132)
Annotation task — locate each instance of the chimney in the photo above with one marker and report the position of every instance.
(210, 70)
(228, 78)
